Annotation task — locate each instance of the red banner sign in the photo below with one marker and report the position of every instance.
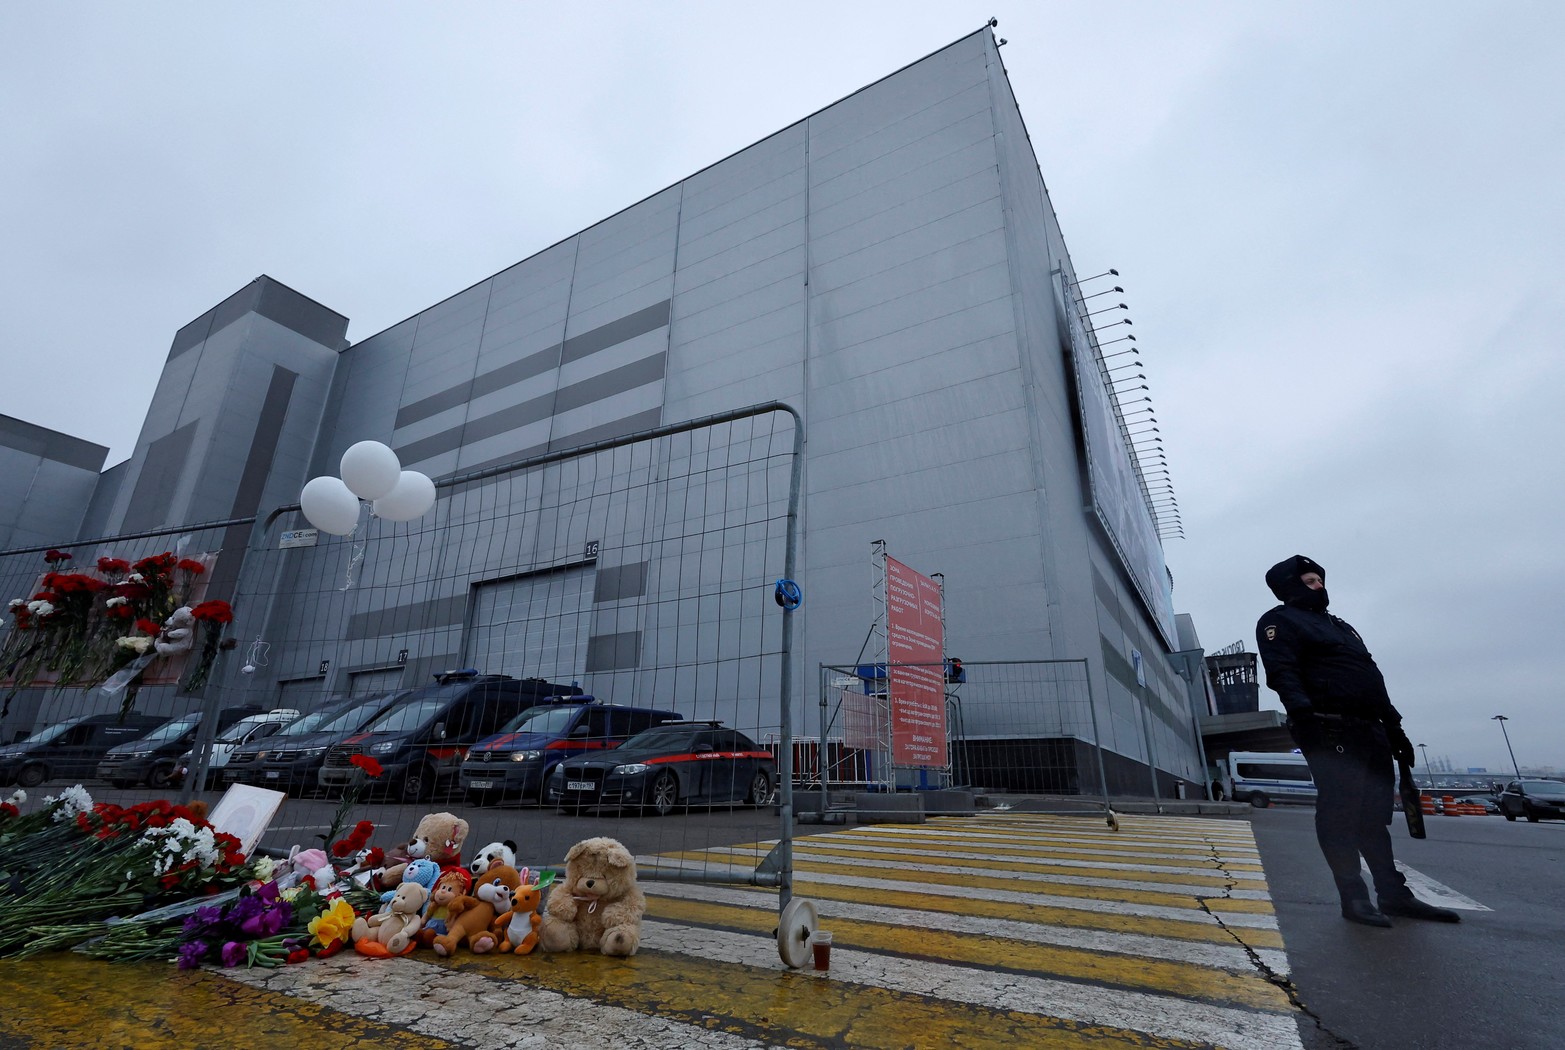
(915, 635)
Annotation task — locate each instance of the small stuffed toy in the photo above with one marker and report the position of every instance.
(313, 866)
(424, 872)
(598, 906)
(178, 634)
(391, 930)
(453, 883)
(503, 852)
(472, 916)
(438, 837)
(518, 928)
(365, 862)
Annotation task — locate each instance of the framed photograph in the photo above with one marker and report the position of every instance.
(245, 812)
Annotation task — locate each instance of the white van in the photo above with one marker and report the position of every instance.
(251, 727)
(1263, 777)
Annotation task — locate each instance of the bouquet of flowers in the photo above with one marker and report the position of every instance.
(73, 865)
(80, 627)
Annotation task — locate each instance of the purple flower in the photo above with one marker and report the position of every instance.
(245, 909)
(268, 894)
(234, 953)
(203, 917)
(191, 954)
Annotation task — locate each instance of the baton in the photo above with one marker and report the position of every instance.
(1412, 809)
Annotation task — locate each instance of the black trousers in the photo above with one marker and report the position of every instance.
(1354, 777)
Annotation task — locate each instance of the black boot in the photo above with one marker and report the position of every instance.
(1364, 913)
(1411, 907)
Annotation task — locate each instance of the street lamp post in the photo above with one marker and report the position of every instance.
(1425, 749)
(1502, 720)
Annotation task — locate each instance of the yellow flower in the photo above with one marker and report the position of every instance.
(333, 924)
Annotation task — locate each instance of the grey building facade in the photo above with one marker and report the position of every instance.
(890, 266)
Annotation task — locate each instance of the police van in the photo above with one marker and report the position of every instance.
(1263, 777)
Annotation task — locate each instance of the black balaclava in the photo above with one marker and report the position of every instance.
(1284, 580)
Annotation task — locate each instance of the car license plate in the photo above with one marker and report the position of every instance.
(481, 785)
(578, 785)
(272, 774)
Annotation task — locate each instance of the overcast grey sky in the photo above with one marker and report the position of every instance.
(1338, 226)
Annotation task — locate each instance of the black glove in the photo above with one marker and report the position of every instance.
(1401, 746)
(1303, 726)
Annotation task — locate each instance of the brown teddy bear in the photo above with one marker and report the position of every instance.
(470, 917)
(598, 905)
(438, 837)
(391, 931)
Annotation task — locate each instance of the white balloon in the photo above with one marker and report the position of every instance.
(370, 469)
(329, 506)
(413, 496)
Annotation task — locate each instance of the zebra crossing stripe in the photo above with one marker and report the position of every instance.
(1059, 846)
(822, 847)
(1189, 884)
(1221, 955)
(1160, 1016)
(910, 937)
(1256, 913)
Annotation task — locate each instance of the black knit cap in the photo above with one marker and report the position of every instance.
(1284, 577)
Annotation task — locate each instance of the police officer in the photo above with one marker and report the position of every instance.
(1342, 719)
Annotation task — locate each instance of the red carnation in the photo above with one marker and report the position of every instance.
(8, 809)
(191, 566)
(113, 566)
(54, 557)
(341, 848)
(370, 766)
(216, 611)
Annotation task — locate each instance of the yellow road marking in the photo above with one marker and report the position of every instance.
(797, 1009)
(1048, 915)
(66, 999)
(1068, 848)
(1054, 889)
(1187, 980)
(1194, 878)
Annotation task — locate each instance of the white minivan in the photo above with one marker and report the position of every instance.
(251, 727)
(1263, 777)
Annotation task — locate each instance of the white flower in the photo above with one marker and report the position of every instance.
(40, 607)
(265, 868)
(72, 800)
(135, 577)
(115, 603)
(137, 644)
(17, 603)
(17, 797)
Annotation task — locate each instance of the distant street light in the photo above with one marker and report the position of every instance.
(1502, 720)
(1425, 749)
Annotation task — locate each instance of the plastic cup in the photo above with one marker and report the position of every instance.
(820, 944)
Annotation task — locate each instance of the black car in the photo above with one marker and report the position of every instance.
(151, 759)
(519, 758)
(420, 742)
(71, 748)
(1534, 799)
(666, 767)
(290, 760)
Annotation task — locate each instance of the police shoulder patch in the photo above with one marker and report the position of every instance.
(1271, 633)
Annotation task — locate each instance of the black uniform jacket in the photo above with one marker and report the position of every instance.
(1317, 663)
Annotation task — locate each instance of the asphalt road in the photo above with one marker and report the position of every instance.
(1494, 980)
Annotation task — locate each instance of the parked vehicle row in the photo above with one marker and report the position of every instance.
(491, 736)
